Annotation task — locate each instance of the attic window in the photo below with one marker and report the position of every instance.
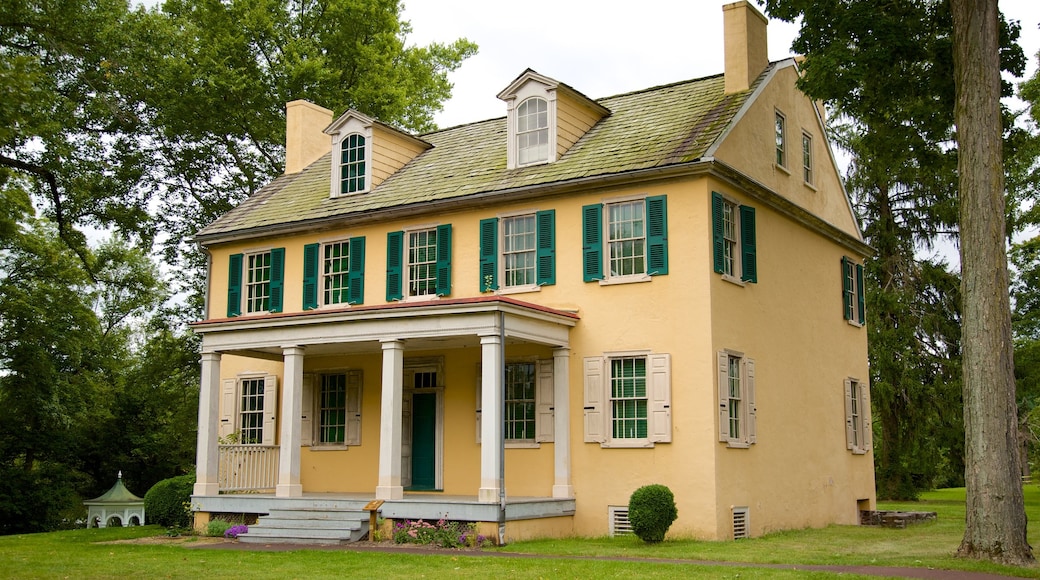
(532, 131)
(352, 164)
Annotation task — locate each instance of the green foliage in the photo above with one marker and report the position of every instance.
(444, 533)
(216, 528)
(651, 511)
(165, 502)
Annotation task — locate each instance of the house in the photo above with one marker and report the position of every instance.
(520, 321)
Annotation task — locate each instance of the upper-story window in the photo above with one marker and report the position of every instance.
(734, 246)
(418, 263)
(526, 258)
(334, 273)
(781, 140)
(352, 166)
(636, 236)
(532, 131)
(255, 282)
(807, 158)
(853, 298)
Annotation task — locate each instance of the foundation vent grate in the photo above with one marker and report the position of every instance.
(619, 524)
(741, 526)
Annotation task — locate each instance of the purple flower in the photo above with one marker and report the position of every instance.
(234, 531)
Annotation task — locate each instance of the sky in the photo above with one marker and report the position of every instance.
(599, 47)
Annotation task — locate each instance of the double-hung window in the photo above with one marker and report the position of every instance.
(418, 263)
(255, 282)
(852, 296)
(807, 158)
(781, 140)
(352, 164)
(248, 407)
(334, 273)
(628, 399)
(529, 392)
(635, 233)
(857, 417)
(734, 246)
(737, 411)
(332, 409)
(526, 257)
(532, 131)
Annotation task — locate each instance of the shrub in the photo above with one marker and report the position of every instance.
(168, 503)
(651, 511)
(446, 534)
(216, 528)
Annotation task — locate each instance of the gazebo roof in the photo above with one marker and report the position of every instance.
(119, 494)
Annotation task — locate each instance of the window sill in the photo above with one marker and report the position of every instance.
(734, 280)
(854, 323)
(338, 195)
(738, 445)
(518, 289)
(330, 447)
(859, 451)
(635, 278)
(782, 168)
(522, 445)
(422, 298)
(810, 186)
(627, 444)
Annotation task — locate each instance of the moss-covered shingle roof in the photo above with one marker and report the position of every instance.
(656, 127)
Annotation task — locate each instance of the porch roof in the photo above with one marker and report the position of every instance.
(441, 323)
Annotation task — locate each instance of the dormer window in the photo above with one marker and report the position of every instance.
(352, 166)
(532, 131)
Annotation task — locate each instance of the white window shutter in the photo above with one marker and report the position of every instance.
(227, 407)
(478, 402)
(270, 409)
(848, 414)
(867, 436)
(544, 402)
(307, 411)
(354, 382)
(660, 398)
(594, 394)
(749, 370)
(723, 359)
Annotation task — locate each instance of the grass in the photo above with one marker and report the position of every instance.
(79, 554)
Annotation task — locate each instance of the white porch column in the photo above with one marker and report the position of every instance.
(389, 486)
(290, 439)
(491, 402)
(207, 452)
(562, 424)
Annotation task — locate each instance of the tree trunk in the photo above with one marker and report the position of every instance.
(995, 512)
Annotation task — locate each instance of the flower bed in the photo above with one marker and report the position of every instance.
(444, 533)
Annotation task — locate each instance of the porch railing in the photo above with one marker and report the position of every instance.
(248, 467)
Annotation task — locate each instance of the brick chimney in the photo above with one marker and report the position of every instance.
(747, 52)
(305, 138)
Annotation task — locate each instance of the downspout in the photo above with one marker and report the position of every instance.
(502, 433)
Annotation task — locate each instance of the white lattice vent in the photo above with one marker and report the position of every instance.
(741, 523)
(618, 516)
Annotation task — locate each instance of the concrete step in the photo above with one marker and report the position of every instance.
(322, 526)
(317, 514)
(311, 524)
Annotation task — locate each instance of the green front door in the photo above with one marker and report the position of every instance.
(424, 441)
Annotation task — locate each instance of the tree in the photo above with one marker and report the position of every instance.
(995, 514)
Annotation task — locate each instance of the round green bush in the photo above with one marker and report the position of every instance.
(168, 502)
(651, 511)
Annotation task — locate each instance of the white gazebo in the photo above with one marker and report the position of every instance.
(117, 507)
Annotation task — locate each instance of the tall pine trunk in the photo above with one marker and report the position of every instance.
(995, 512)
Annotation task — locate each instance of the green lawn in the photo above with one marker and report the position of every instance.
(77, 554)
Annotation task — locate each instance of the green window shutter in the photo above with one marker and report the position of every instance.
(444, 260)
(356, 275)
(592, 241)
(277, 279)
(394, 259)
(860, 295)
(488, 255)
(657, 235)
(234, 293)
(748, 258)
(545, 224)
(718, 242)
(310, 276)
(846, 287)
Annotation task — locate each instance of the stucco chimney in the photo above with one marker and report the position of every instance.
(305, 138)
(747, 52)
